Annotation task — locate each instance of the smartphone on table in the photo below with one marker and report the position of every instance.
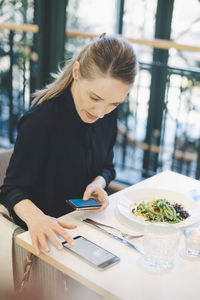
(92, 253)
(80, 204)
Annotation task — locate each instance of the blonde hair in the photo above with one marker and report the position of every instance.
(106, 55)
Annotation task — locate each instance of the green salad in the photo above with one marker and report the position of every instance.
(161, 210)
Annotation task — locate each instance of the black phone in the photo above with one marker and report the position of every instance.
(92, 253)
(80, 204)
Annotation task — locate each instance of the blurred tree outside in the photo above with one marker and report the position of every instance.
(17, 12)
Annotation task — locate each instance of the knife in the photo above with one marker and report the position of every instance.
(125, 242)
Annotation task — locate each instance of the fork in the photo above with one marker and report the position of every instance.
(124, 235)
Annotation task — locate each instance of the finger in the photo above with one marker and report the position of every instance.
(55, 241)
(102, 208)
(89, 190)
(86, 194)
(95, 198)
(66, 225)
(63, 234)
(35, 244)
(102, 198)
(43, 242)
(102, 195)
(99, 195)
(104, 205)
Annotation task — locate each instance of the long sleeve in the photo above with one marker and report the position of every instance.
(108, 170)
(28, 157)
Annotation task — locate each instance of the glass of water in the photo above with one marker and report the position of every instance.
(160, 246)
(192, 241)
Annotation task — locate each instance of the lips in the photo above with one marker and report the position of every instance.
(92, 117)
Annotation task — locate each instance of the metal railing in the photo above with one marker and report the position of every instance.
(17, 65)
(179, 138)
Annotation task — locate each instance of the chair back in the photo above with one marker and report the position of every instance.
(5, 156)
(7, 229)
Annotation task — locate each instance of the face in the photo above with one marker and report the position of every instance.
(96, 98)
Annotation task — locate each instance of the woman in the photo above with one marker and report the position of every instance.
(64, 147)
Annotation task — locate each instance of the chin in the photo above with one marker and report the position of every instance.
(88, 121)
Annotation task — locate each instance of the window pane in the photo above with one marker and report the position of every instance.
(91, 16)
(139, 19)
(185, 30)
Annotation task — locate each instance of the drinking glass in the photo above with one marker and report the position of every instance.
(192, 241)
(160, 246)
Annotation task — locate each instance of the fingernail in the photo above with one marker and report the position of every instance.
(60, 247)
(47, 249)
(37, 253)
(72, 243)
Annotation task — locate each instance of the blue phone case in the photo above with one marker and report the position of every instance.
(84, 204)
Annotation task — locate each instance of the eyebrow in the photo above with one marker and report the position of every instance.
(103, 99)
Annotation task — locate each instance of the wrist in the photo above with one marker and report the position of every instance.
(99, 181)
(27, 211)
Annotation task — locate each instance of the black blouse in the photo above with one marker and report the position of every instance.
(56, 155)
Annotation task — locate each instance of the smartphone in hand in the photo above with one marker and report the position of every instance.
(80, 204)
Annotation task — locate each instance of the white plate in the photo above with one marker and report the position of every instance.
(132, 198)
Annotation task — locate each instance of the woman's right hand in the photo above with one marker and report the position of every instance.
(42, 227)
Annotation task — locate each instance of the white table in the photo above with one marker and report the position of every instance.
(127, 280)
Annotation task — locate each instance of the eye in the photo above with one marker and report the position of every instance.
(94, 99)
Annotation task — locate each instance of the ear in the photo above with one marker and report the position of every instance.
(75, 70)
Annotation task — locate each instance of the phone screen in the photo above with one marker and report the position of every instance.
(84, 204)
(92, 252)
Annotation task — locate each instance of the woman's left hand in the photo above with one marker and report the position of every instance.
(95, 191)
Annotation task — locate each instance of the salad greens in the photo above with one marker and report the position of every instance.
(161, 211)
